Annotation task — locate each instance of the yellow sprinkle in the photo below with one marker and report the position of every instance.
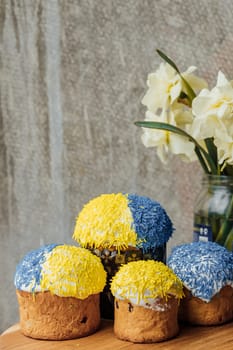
(105, 221)
(72, 271)
(146, 279)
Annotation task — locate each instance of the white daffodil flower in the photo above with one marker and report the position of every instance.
(212, 109)
(165, 86)
(167, 142)
(224, 143)
(206, 127)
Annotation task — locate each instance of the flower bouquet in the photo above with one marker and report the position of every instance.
(187, 119)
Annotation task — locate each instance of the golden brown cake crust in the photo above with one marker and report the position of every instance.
(143, 325)
(198, 312)
(47, 316)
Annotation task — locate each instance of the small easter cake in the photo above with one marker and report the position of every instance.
(147, 296)
(58, 288)
(120, 228)
(206, 270)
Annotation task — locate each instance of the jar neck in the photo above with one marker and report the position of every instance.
(218, 180)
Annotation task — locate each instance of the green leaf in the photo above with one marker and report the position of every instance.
(168, 60)
(201, 160)
(190, 92)
(226, 225)
(229, 240)
(212, 149)
(203, 156)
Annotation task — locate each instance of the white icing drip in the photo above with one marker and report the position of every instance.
(37, 288)
(156, 304)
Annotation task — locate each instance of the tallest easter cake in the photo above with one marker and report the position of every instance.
(121, 221)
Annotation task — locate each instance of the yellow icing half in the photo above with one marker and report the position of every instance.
(70, 271)
(144, 280)
(104, 222)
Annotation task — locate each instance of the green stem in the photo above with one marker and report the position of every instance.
(201, 160)
(212, 149)
(229, 241)
(226, 226)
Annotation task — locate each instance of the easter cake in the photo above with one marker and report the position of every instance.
(147, 295)
(206, 270)
(58, 288)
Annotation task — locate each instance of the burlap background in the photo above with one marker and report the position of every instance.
(73, 73)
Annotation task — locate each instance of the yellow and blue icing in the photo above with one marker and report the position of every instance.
(64, 270)
(203, 267)
(123, 220)
(143, 281)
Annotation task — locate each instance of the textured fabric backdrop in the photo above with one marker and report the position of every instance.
(73, 73)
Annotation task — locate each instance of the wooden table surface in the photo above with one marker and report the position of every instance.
(193, 338)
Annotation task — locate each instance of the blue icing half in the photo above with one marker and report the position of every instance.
(150, 222)
(204, 267)
(28, 271)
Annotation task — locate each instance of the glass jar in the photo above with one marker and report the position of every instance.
(213, 211)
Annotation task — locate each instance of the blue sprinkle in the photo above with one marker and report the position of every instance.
(204, 267)
(29, 268)
(150, 222)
